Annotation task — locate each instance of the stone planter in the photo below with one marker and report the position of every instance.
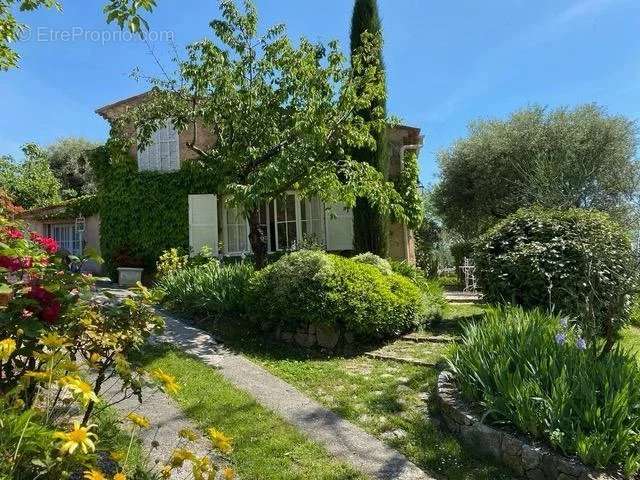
(128, 276)
(533, 462)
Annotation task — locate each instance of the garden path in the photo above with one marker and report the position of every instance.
(340, 437)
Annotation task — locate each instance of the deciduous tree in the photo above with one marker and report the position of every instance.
(284, 116)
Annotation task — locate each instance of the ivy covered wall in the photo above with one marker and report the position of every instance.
(143, 213)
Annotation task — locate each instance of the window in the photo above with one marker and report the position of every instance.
(236, 231)
(67, 237)
(311, 215)
(162, 153)
(285, 210)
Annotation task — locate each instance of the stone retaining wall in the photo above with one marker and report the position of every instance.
(526, 461)
(312, 336)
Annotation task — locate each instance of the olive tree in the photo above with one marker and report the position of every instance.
(580, 158)
(284, 116)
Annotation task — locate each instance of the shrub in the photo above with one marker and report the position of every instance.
(372, 259)
(432, 290)
(171, 261)
(533, 371)
(314, 287)
(207, 289)
(634, 314)
(575, 261)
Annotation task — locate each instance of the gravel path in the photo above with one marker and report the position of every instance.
(340, 438)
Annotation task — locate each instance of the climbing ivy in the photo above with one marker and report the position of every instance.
(407, 185)
(143, 213)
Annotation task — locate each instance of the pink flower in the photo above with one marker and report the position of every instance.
(26, 313)
(14, 233)
(50, 306)
(51, 312)
(48, 243)
(13, 264)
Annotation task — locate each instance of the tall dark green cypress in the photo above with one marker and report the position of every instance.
(370, 226)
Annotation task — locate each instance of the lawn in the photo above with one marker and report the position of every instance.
(265, 446)
(391, 400)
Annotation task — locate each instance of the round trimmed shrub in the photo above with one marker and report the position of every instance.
(578, 262)
(372, 259)
(312, 287)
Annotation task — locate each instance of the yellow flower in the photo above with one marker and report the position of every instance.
(219, 440)
(179, 456)
(139, 420)
(228, 473)
(202, 469)
(79, 387)
(7, 347)
(188, 434)
(166, 471)
(94, 475)
(78, 437)
(53, 340)
(168, 381)
(119, 476)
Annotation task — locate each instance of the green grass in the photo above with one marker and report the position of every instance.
(428, 352)
(390, 400)
(265, 446)
(631, 338)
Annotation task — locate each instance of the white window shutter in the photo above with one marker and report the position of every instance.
(339, 222)
(163, 152)
(203, 223)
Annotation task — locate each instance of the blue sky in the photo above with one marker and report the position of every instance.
(448, 62)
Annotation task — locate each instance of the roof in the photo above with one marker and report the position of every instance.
(85, 205)
(102, 111)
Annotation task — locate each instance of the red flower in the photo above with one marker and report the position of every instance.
(48, 243)
(50, 306)
(12, 264)
(14, 233)
(51, 312)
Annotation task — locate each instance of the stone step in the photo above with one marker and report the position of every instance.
(422, 338)
(394, 358)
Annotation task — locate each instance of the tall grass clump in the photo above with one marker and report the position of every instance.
(210, 289)
(534, 371)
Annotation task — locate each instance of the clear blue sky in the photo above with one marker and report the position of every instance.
(448, 62)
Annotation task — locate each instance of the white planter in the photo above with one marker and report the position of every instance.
(128, 276)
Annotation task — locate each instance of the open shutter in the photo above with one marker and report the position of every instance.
(339, 222)
(203, 223)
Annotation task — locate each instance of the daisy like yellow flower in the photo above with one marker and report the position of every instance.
(219, 440)
(120, 476)
(94, 475)
(188, 434)
(169, 384)
(7, 347)
(78, 437)
(80, 388)
(139, 420)
(202, 469)
(179, 456)
(228, 473)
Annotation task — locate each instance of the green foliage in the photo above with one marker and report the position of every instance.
(634, 313)
(144, 212)
(314, 287)
(558, 159)
(372, 259)
(30, 183)
(370, 225)
(528, 370)
(208, 290)
(576, 261)
(68, 159)
(428, 236)
(408, 186)
(171, 261)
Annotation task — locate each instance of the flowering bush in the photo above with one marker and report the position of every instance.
(536, 372)
(59, 342)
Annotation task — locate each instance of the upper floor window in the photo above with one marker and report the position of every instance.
(163, 152)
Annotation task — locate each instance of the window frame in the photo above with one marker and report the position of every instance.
(149, 163)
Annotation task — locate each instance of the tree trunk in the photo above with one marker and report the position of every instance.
(258, 239)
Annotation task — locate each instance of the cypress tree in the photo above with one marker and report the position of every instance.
(370, 226)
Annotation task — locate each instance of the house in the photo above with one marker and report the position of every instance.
(73, 224)
(289, 220)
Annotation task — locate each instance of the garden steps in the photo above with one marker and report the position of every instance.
(394, 358)
(428, 338)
